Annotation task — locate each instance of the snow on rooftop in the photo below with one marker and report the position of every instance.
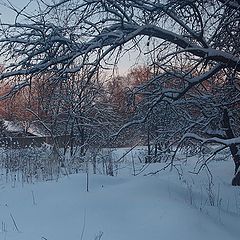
(21, 127)
(12, 126)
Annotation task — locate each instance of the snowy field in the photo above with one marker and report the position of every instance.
(171, 205)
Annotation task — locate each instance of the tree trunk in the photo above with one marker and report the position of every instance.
(235, 154)
(72, 140)
(234, 148)
(148, 157)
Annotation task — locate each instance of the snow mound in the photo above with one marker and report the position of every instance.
(115, 208)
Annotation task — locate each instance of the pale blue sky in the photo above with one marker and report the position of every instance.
(8, 15)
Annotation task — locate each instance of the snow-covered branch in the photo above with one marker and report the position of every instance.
(226, 142)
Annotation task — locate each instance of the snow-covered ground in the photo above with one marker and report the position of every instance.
(125, 207)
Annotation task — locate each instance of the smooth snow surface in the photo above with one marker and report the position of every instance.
(124, 207)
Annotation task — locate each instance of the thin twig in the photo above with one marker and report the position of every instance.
(14, 222)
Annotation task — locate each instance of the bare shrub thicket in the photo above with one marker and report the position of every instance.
(31, 164)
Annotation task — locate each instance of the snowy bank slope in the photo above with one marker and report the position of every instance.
(122, 208)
